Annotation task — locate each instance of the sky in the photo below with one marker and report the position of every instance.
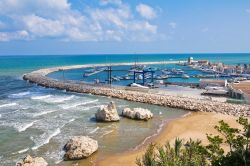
(47, 27)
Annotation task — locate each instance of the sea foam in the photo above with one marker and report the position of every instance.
(95, 130)
(8, 105)
(18, 95)
(43, 113)
(24, 127)
(78, 104)
(40, 97)
(46, 141)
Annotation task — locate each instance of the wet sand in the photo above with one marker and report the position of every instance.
(195, 126)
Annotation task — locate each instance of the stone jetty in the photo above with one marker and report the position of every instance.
(39, 77)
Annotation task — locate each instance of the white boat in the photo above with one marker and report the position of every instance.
(185, 76)
(138, 85)
(164, 76)
(115, 79)
(159, 82)
(140, 77)
(126, 77)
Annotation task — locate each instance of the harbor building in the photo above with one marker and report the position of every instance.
(240, 91)
(190, 60)
(211, 82)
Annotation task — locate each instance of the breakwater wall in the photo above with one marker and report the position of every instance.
(39, 77)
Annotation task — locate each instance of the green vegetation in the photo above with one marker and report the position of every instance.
(193, 153)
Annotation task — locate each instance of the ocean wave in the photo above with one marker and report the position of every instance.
(18, 95)
(24, 127)
(88, 108)
(95, 130)
(106, 133)
(187, 114)
(23, 150)
(43, 113)
(40, 97)
(8, 105)
(47, 139)
(71, 120)
(58, 99)
(78, 104)
(0, 116)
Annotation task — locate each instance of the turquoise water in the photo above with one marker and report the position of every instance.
(77, 74)
(39, 121)
(16, 65)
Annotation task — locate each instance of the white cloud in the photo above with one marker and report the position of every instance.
(172, 25)
(114, 2)
(248, 10)
(146, 11)
(18, 35)
(113, 20)
(39, 26)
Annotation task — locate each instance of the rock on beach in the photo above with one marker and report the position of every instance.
(107, 113)
(30, 161)
(80, 147)
(137, 113)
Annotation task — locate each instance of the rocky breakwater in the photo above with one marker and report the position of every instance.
(107, 113)
(30, 161)
(191, 104)
(137, 113)
(80, 147)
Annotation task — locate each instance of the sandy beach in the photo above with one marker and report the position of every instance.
(194, 126)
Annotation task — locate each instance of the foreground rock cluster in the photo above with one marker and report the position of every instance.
(79, 147)
(143, 97)
(137, 113)
(107, 113)
(30, 161)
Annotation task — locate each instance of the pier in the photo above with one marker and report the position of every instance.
(39, 77)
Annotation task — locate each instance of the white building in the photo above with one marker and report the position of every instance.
(210, 82)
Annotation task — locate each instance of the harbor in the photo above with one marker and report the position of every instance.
(193, 104)
(211, 78)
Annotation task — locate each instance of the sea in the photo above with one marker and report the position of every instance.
(39, 121)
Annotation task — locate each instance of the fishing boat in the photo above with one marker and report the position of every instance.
(138, 86)
(185, 76)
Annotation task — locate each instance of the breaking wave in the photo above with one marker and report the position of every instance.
(43, 113)
(18, 95)
(40, 97)
(8, 105)
(24, 127)
(95, 130)
(47, 139)
(78, 104)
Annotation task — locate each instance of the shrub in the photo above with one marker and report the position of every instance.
(193, 153)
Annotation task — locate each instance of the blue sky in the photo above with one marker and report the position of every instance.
(116, 26)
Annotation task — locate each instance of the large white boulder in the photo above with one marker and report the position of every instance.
(137, 113)
(107, 113)
(29, 161)
(80, 147)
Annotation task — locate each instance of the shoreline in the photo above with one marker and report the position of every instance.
(188, 126)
